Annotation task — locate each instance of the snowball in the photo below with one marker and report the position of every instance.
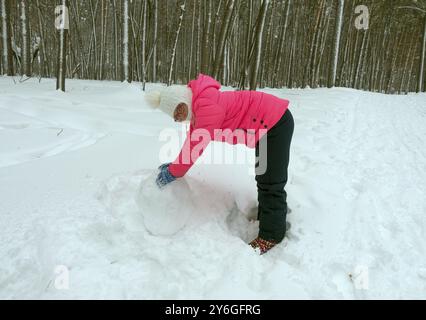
(167, 210)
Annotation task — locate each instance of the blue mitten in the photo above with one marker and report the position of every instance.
(164, 177)
(164, 165)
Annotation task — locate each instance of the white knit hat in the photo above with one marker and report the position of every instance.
(168, 99)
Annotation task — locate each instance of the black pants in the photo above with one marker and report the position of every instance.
(272, 197)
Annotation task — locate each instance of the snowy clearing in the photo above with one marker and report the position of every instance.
(71, 168)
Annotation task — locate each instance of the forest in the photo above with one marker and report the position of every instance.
(372, 45)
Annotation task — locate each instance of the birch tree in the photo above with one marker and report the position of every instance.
(358, 75)
(154, 52)
(4, 21)
(339, 24)
(94, 40)
(144, 44)
(315, 31)
(422, 11)
(44, 70)
(62, 24)
(104, 23)
(422, 59)
(115, 49)
(223, 37)
(258, 43)
(7, 55)
(199, 44)
(279, 50)
(182, 10)
(192, 40)
(247, 45)
(126, 54)
(26, 53)
(205, 55)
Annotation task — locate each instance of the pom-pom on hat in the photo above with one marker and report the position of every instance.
(168, 99)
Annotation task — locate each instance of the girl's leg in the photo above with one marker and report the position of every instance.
(271, 194)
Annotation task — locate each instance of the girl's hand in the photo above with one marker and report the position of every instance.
(164, 177)
(164, 165)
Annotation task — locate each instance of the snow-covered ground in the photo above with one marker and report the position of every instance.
(75, 222)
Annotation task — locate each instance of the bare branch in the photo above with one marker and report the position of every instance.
(413, 8)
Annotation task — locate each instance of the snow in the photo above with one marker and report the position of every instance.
(161, 208)
(78, 204)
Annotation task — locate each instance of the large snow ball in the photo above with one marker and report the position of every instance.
(167, 210)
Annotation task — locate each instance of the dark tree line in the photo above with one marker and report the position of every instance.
(375, 45)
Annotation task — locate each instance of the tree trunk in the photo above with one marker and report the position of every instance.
(308, 73)
(7, 53)
(267, 48)
(191, 51)
(321, 55)
(154, 54)
(422, 59)
(246, 48)
(26, 52)
(182, 8)
(115, 49)
(95, 63)
(43, 55)
(340, 11)
(360, 59)
(205, 55)
(223, 37)
(144, 44)
(407, 59)
(258, 44)
(104, 22)
(279, 51)
(126, 46)
(62, 52)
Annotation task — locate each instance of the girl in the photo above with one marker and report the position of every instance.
(259, 120)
